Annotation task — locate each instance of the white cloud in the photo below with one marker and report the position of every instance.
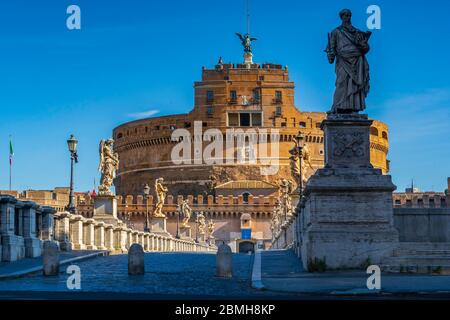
(144, 114)
(418, 114)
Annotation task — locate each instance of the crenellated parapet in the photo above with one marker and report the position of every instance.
(258, 206)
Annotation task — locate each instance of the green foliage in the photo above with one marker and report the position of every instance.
(317, 265)
(437, 270)
(367, 263)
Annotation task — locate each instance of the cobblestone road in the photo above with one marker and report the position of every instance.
(166, 274)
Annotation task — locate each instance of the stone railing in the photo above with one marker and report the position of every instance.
(24, 226)
(75, 232)
(284, 238)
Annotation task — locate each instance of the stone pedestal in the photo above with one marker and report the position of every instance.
(201, 238)
(347, 214)
(105, 209)
(248, 59)
(185, 233)
(159, 225)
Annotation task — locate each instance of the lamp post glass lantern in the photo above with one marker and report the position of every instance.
(72, 145)
(147, 193)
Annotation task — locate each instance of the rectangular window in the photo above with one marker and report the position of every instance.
(256, 96)
(256, 120)
(233, 97)
(209, 96)
(278, 111)
(245, 119)
(210, 110)
(233, 119)
(302, 124)
(278, 97)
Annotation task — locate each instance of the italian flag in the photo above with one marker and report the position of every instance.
(11, 152)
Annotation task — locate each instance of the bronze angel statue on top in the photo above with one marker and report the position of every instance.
(246, 42)
(109, 164)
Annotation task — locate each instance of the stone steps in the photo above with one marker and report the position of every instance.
(422, 249)
(423, 257)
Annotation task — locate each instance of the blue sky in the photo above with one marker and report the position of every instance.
(134, 57)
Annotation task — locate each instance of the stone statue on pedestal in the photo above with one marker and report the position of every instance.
(347, 216)
(275, 222)
(211, 227)
(186, 213)
(300, 166)
(109, 163)
(348, 46)
(246, 42)
(285, 199)
(201, 223)
(161, 193)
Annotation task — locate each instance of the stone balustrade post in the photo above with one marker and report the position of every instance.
(146, 237)
(100, 235)
(141, 239)
(12, 243)
(47, 223)
(33, 245)
(76, 233)
(134, 237)
(120, 239)
(89, 234)
(62, 230)
(152, 242)
(109, 237)
(129, 237)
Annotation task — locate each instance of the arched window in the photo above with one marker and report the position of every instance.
(245, 196)
(119, 135)
(384, 135)
(374, 131)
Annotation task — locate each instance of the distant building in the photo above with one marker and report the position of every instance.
(414, 198)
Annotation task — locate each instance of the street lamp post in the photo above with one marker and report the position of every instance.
(72, 144)
(299, 145)
(147, 193)
(196, 227)
(178, 225)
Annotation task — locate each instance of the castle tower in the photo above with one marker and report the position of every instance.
(228, 96)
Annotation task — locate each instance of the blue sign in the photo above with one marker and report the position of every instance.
(246, 234)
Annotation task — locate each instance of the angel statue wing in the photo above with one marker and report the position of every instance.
(253, 39)
(100, 166)
(240, 36)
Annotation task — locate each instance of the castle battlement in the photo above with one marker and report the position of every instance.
(194, 201)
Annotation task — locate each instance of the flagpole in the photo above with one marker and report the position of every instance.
(10, 163)
(10, 174)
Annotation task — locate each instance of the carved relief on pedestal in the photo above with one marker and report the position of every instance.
(349, 145)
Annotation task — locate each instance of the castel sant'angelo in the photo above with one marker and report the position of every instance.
(235, 195)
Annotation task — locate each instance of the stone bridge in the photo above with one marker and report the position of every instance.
(24, 226)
